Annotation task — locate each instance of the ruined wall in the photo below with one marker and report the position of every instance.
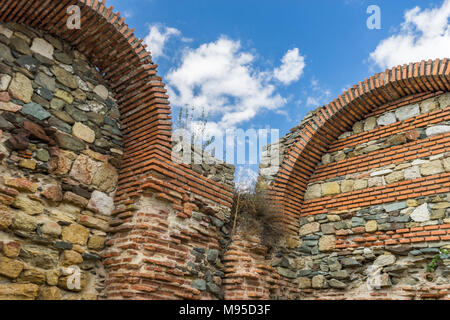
(363, 191)
(61, 148)
(88, 166)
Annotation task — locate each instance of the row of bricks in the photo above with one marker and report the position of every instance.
(376, 159)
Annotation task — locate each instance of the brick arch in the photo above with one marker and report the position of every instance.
(327, 123)
(110, 44)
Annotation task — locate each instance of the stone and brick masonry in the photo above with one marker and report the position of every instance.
(87, 179)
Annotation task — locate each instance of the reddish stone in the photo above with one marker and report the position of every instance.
(59, 163)
(413, 135)
(20, 184)
(75, 199)
(53, 193)
(11, 249)
(19, 140)
(36, 131)
(82, 169)
(4, 97)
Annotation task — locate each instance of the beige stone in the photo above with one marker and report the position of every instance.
(431, 168)
(358, 127)
(42, 47)
(412, 203)
(95, 223)
(75, 234)
(318, 282)
(21, 88)
(33, 275)
(10, 268)
(304, 283)
(49, 293)
(70, 258)
(27, 205)
(105, 178)
(63, 95)
(314, 191)
(395, 176)
(360, 184)
(330, 188)
(327, 243)
(347, 186)
(98, 243)
(83, 132)
(18, 291)
(446, 163)
(9, 106)
(371, 226)
(101, 91)
(27, 164)
(309, 228)
(370, 123)
(333, 218)
(52, 277)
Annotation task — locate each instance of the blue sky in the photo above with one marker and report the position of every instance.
(207, 49)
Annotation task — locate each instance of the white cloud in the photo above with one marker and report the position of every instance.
(318, 95)
(221, 79)
(424, 34)
(157, 38)
(292, 67)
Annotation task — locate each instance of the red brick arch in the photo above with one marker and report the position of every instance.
(109, 43)
(337, 117)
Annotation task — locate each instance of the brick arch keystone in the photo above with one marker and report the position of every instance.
(327, 123)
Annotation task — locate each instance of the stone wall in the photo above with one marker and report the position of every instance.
(61, 148)
(375, 211)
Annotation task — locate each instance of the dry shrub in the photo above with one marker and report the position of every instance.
(254, 216)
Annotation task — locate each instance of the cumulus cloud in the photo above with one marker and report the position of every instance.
(157, 38)
(220, 78)
(318, 95)
(291, 68)
(424, 34)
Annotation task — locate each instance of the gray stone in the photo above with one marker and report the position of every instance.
(20, 46)
(385, 260)
(357, 222)
(45, 81)
(407, 112)
(5, 53)
(340, 274)
(212, 287)
(199, 284)
(350, 262)
(29, 63)
(435, 130)
(66, 141)
(395, 206)
(386, 119)
(286, 273)
(421, 213)
(212, 255)
(334, 283)
(36, 110)
(42, 155)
